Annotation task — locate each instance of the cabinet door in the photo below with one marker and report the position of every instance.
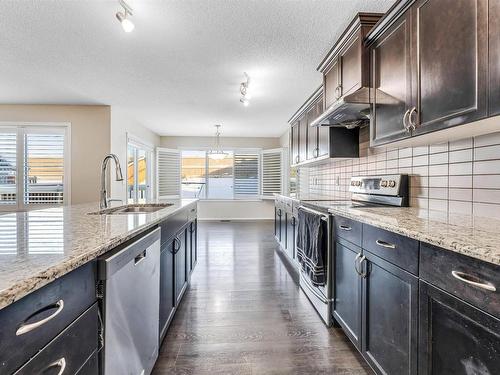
(331, 82)
(391, 82)
(290, 235)
(494, 57)
(323, 135)
(455, 337)
(278, 214)
(193, 243)
(350, 68)
(312, 136)
(181, 273)
(347, 305)
(294, 143)
(167, 301)
(303, 134)
(450, 38)
(389, 318)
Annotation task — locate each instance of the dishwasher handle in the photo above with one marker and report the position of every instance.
(139, 258)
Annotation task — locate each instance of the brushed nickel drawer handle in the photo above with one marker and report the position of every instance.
(61, 363)
(356, 263)
(345, 227)
(25, 328)
(387, 245)
(474, 281)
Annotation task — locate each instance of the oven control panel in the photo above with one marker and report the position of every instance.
(379, 185)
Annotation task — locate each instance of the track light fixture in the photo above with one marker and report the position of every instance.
(127, 25)
(245, 91)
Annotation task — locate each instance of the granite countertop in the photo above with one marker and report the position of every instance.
(473, 236)
(39, 246)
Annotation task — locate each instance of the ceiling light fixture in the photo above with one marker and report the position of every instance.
(217, 153)
(127, 25)
(245, 92)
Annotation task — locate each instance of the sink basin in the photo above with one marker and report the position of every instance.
(132, 209)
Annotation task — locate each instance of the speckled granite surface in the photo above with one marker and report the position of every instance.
(39, 246)
(477, 237)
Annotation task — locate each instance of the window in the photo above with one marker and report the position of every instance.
(236, 176)
(34, 166)
(138, 172)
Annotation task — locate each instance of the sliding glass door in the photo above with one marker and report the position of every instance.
(138, 173)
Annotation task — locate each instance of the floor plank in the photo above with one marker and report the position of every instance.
(245, 314)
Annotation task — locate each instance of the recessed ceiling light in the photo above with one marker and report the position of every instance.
(127, 25)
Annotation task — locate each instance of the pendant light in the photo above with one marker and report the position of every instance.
(217, 153)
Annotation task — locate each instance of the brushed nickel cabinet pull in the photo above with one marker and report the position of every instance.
(356, 263)
(25, 328)
(177, 245)
(338, 92)
(363, 274)
(412, 125)
(61, 363)
(405, 122)
(474, 281)
(345, 227)
(385, 244)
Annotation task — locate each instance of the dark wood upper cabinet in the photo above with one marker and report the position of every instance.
(494, 57)
(391, 83)
(455, 337)
(331, 82)
(451, 51)
(303, 133)
(294, 143)
(312, 136)
(346, 67)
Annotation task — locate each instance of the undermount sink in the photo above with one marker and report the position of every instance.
(132, 209)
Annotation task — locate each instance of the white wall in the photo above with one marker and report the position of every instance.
(228, 209)
(121, 125)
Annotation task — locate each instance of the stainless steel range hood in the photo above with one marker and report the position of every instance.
(349, 111)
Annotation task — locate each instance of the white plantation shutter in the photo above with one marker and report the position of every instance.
(8, 167)
(44, 167)
(8, 235)
(246, 174)
(272, 172)
(168, 164)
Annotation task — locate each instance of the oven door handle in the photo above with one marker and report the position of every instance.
(313, 291)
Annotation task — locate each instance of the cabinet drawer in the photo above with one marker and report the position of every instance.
(348, 229)
(32, 322)
(467, 278)
(69, 351)
(173, 224)
(399, 250)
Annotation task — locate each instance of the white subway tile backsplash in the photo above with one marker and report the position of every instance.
(459, 177)
(461, 144)
(460, 156)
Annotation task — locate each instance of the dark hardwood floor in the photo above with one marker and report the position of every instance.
(245, 314)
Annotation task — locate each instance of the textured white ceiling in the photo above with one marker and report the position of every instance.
(179, 71)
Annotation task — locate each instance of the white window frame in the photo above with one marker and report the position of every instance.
(234, 150)
(20, 129)
(138, 143)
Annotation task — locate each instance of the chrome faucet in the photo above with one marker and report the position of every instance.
(103, 202)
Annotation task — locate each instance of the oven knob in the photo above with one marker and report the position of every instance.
(392, 183)
(358, 183)
(353, 183)
(383, 184)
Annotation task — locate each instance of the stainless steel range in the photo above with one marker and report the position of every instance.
(367, 191)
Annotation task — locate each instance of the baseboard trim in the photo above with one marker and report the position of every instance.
(236, 219)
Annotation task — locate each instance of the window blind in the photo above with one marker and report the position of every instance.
(8, 167)
(246, 174)
(8, 235)
(272, 170)
(43, 168)
(168, 172)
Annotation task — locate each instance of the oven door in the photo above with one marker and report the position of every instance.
(320, 296)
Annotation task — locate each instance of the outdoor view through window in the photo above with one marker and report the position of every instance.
(206, 177)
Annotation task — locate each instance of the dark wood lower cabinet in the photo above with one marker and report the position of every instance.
(455, 337)
(180, 267)
(290, 235)
(389, 317)
(167, 301)
(347, 304)
(193, 241)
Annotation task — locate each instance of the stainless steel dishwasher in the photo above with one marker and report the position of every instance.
(129, 283)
